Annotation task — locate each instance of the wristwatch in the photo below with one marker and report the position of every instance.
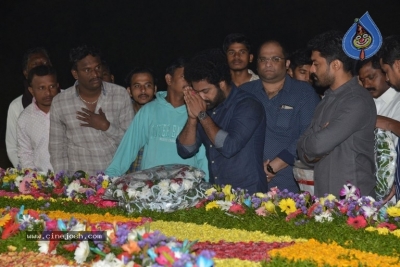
(270, 170)
(202, 115)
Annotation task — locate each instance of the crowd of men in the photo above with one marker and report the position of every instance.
(216, 114)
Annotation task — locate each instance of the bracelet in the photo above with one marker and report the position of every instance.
(270, 170)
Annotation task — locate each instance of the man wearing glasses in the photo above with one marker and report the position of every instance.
(289, 107)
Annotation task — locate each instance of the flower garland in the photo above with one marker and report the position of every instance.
(333, 255)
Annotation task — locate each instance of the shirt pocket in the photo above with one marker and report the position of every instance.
(284, 118)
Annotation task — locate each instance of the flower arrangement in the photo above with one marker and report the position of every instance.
(360, 211)
(78, 187)
(163, 188)
(124, 245)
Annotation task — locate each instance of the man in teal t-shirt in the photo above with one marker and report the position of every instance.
(156, 126)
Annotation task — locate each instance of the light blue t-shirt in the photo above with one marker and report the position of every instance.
(155, 127)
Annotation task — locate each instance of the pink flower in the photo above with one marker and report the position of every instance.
(357, 222)
(293, 215)
(261, 211)
(100, 191)
(389, 226)
(51, 225)
(107, 204)
(22, 186)
(237, 208)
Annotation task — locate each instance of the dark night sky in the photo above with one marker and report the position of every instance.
(151, 33)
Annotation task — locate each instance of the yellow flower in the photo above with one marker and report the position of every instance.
(104, 184)
(4, 219)
(269, 206)
(382, 231)
(261, 195)
(332, 254)
(370, 229)
(212, 205)
(393, 211)
(287, 205)
(396, 232)
(227, 190)
(210, 191)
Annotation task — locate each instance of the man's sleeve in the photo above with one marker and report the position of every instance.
(117, 130)
(57, 140)
(248, 115)
(25, 151)
(11, 136)
(351, 116)
(134, 139)
(306, 114)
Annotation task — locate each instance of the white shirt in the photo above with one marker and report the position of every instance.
(388, 105)
(14, 110)
(33, 129)
(253, 75)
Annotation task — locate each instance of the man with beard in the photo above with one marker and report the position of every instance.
(390, 62)
(237, 48)
(89, 119)
(141, 86)
(340, 139)
(289, 105)
(387, 100)
(228, 121)
(156, 126)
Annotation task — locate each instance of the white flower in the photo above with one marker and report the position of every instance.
(137, 185)
(224, 205)
(111, 261)
(74, 186)
(163, 185)
(369, 211)
(325, 216)
(78, 227)
(44, 247)
(106, 177)
(26, 219)
(146, 192)
(132, 192)
(82, 252)
(133, 234)
(175, 187)
(49, 182)
(187, 184)
(18, 180)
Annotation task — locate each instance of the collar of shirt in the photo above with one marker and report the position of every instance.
(387, 96)
(38, 110)
(103, 88)
(343, 88)
(228, 101)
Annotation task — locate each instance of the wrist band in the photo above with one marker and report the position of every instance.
(269, 169)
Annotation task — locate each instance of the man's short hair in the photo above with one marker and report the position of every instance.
(236, 38)
(32, 51)
(139, 70)
(300, 57)
(329, 44)
(81, 52)
(390, 49)
(42, 70)
(374, 63)
(179, 62)
(209, 65)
